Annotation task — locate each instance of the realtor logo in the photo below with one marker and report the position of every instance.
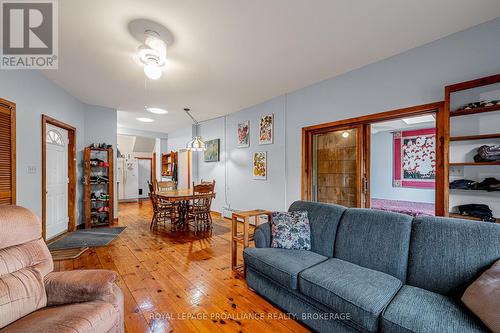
(29, 34)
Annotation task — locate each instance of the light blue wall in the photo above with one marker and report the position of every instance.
(100, 127)
(415, 77)
(35, 95)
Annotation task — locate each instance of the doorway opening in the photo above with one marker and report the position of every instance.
(144, 176)
(341, 164)
(58, 177)
(403, 165)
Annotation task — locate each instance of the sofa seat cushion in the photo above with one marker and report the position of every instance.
(281, 265)
(348, 288)
(418, 310)
(78, 317)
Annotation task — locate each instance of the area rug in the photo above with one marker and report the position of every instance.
(87, 238)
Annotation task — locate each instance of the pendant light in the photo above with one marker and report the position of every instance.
(196, 144)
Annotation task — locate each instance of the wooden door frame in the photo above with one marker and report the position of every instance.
(307, 157)
(442, 136)
(71, 172)
(12, 112)
(153, 167)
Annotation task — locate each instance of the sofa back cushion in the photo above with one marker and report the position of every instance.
(323, 220)
(375, 239)
(447, 255)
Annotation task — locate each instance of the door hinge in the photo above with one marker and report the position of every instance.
(365, 185)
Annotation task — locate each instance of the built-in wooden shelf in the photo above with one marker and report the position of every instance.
(474, 163)
(475, 137)
(474, 111)
(472, 190)
(458, 216)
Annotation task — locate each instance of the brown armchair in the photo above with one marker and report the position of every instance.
(35, 299)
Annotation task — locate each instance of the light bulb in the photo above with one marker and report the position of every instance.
(345, 134)
(158, 45)
(152, 71)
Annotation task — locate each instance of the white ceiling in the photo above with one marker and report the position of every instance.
(231, 54)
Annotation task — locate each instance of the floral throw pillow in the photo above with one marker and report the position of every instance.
(291, 230)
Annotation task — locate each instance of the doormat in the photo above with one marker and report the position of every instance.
(87, 238)
(67, 254)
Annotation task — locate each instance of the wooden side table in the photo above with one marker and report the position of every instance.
(244, 237)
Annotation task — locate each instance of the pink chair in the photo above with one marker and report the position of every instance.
(35, 299)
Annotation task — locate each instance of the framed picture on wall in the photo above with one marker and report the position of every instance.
(244, 134)
(213, 150)
(260, 165)
(266, 129)
(415, 158)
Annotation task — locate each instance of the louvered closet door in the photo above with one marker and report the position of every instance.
(7, 153)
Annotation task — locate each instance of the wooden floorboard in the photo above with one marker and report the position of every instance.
(179, 281)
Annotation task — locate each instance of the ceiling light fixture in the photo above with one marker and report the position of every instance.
(153, 54)
(345, 134)
(145, 120)
(156, 110)
(421, 119)
(196, 144)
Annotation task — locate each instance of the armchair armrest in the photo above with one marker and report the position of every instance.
(262, 235)
(81, 286)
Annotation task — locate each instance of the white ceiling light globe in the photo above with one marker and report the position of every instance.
(152, 71)
(145, 120)
(156, 110)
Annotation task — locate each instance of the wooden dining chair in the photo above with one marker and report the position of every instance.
(165, 185)
(200, 208)
(208, 182)
(162, 210)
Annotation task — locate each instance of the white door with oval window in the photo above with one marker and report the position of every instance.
(56, 175)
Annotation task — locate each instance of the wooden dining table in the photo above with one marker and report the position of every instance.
(182, 197)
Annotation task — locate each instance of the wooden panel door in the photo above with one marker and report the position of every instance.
(337, 166)
(7, 153)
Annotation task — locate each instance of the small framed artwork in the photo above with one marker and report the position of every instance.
(266, 129)
(415, 158)
(260, 165)
(213, 150)
(244, 134)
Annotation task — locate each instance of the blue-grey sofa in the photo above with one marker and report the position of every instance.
(375, 271)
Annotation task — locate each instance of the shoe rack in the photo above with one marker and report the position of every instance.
(98, 180)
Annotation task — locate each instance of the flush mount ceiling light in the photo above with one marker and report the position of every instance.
(421, 119)
(152, 52)
(145, 120)
(156, 110)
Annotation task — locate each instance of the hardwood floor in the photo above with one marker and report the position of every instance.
(180, 282)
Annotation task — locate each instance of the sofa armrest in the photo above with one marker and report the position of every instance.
(81, 286)
(262, 235)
